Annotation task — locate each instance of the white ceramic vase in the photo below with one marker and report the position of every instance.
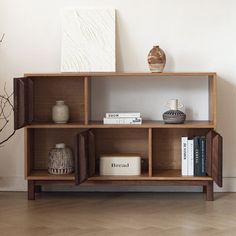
(60, 112)
(174, 104)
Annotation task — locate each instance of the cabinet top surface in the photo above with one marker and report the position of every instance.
(116, 74)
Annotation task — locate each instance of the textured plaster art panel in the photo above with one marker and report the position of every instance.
(88, 40)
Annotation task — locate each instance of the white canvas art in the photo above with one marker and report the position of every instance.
(88, 40)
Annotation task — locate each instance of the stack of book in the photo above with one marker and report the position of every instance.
(123, 118)
(193, 156)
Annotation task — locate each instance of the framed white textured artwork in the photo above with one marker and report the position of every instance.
(88, 40)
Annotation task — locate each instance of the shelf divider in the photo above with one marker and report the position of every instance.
(150, 152)
(212, 80)
(86, 100)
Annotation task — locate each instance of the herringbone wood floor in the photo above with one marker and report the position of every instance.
(118, 214)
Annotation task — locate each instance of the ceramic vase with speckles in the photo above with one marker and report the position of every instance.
(60, 112)
(156, 59)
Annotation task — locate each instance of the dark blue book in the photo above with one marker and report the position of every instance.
(202, 156)
(196, 147)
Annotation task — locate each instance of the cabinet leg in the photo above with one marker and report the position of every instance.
(38, 189)
(204, 189)
(31, 190)
(209, 191)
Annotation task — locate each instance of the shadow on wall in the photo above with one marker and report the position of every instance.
(226, 123)
(119, 63)
(170, 63)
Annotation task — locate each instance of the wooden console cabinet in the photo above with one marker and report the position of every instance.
(158, 143)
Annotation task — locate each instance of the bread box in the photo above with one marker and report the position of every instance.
(120, 164)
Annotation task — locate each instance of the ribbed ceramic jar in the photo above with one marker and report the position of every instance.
(60, 160)
(60, 112)
(156, 59)
(174, 117)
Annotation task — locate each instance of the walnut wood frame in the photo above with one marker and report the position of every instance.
(86, 136)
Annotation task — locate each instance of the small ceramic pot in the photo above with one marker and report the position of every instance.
(60, 160)
(156, 59)
(60, 112)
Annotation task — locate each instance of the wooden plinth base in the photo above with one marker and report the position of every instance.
(35, 186)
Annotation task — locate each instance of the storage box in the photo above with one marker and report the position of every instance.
(120, 164)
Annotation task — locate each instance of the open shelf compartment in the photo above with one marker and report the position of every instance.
(111, 94)
(34, 98)
(39, 143)
(122, 141)
(70, 90)
(166, 152)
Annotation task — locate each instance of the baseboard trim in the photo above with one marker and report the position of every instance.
(229, 185)
(13, 183)
(17, 183)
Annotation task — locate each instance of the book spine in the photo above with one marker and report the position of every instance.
(202, 156)
(184, 153)
(133, 121)
(190, 158)
(123, 115)
(196, 156)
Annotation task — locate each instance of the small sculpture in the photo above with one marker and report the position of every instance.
(174, 115)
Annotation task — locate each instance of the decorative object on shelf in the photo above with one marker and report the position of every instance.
(88, 40)
(60, 112)
(174, 115)
(156, 59)
(60, 160)
(118, 118)
(120, 164)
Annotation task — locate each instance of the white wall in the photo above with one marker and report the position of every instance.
(196, 36)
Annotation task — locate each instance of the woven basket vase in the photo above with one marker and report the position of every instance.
(60, 160)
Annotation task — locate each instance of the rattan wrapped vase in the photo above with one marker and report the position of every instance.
(60, 160)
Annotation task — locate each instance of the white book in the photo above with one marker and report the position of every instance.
(190, 158)
(123, 115)
(184, 154)
(123, 121)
